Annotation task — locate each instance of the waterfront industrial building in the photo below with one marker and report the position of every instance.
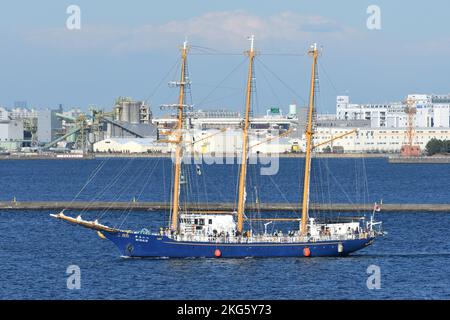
(433, 111)
(130, 146)
(131, 128)
(377, 140)
(11, 134)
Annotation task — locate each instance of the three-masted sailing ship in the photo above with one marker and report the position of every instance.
(219, 234)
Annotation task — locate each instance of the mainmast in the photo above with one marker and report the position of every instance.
(243, 173)
(309, 136)
(179, 148)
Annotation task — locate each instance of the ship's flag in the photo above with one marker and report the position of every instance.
(376, 207)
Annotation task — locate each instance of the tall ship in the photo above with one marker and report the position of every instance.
(222, 234)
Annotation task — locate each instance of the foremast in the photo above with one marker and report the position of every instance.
(246, 124)
(179, 140)
(313, 52)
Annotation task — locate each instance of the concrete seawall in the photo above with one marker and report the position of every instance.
(157, 206)
(168, 155)
(419, 160)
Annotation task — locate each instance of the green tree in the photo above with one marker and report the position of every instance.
(445, 148)
(434, 146)
(327, 149)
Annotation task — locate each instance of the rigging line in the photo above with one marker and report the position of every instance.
(279, 79)
(339, 185)
(238, 173)
(270, 87)
(188, 89)
(177, 62)
(221, 87)
(102, 192)
(194, 184)
(323, 185)
(357, 186)
(184, 188)
(235, 175)
(216, 54)
(91, 177)
(283, 54)
(172, 94)
(205, 189)
(322, 67)
(365, 181)
(132, 181)
(198, 166)
(111, 183)
(329, 189)
(314, 195)
(125, 212)
(171, 186)
(203, 48)
(142, 189)
(164, 189)
(281, 192)
(300, 185)
(223, 80)
(116, 198)
(191, 186)
(223, 97)
(206, 49)
(126, 187)
(252, 183)
(200, 177)
(360, 185)
(257, 195)
(255, 102)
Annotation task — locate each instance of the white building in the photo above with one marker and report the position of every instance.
(11, 134)
(48, 125)
(229, 142)
(130, 145)
(22, 113)
(217, 119)
(211, 142)
(4, 114)
(432, 111)
(387, 140)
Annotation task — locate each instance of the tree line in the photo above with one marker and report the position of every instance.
(436, 146)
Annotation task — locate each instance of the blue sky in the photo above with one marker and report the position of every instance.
(127, 48)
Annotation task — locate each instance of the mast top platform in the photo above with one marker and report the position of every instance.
(313, 49)
(252, 51)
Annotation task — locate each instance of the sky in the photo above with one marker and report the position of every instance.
(132, 49)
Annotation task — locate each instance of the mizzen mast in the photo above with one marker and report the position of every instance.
(243, 172)
(309, 136)
(179, 139)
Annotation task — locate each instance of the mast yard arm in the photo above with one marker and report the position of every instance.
(335, 138)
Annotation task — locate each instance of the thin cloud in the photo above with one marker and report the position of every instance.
(221, 29)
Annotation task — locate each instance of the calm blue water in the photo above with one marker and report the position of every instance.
(36, 250)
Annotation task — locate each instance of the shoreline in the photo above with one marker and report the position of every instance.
(168, 155)
(391, 158)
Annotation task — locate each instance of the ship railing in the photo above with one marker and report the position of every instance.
(272, 238)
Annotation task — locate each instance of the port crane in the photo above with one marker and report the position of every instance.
(409, 149)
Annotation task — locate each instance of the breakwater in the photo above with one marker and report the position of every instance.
(158, 206)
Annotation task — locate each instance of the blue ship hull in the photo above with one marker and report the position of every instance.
(140, 245)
